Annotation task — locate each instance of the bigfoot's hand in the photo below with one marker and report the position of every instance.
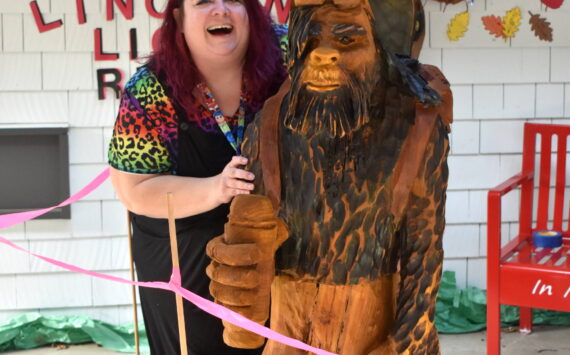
(243, 264)
(233, 272)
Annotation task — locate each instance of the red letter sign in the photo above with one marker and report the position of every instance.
(42, 26)
(81, 17)
(149, 4)
(125, 7)
(99, 54)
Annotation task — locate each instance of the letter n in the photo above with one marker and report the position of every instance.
(126, 9)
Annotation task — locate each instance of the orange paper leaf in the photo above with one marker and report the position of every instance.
(494, 25)
(540, 27)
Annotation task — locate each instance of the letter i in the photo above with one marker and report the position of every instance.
(536, 287)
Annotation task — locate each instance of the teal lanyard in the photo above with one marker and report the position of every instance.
(214, 108)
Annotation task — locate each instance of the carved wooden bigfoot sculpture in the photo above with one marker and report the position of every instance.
(352, 155)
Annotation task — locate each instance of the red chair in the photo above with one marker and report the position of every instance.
(519, 274)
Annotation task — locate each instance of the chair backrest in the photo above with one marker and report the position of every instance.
(544, 169)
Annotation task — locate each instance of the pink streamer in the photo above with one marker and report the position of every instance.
(202, 303)
(175, 280)
(8, 220)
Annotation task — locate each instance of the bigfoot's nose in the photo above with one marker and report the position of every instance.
(324, 56)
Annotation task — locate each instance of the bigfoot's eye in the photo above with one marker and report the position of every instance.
(346, 40)
(348, 33)
(316, 29)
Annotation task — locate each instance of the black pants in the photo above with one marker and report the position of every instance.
(151, 252)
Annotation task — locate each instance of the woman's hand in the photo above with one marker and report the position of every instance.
(232, 180)
(145, 194)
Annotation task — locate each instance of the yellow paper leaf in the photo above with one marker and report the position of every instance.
(458, 26)
(512, 22)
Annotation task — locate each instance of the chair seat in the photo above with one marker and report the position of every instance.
(536, 277)
(528, 254)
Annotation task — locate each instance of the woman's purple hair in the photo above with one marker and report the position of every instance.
(263, 69)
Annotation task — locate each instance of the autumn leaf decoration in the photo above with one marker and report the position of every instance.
(493, 24)
(540, 27)
(504, 27)
(512, 22)
(553, 4)
(458, 26)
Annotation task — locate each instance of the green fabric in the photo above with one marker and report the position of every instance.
(457, 311)
(463, 311)
(33, 330)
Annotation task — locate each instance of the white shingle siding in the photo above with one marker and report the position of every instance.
(20, 71)
(49, 79)
(52, 41)
(92, 7)
(81, 174)
(32, 107)
(50, 290)
(12, 33)
(87, 219)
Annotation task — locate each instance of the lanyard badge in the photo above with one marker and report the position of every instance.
(214, 108)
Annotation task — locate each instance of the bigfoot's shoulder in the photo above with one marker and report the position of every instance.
(437, 81)
(261, 145)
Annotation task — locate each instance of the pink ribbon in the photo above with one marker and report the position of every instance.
(174, 285)
(11, 219)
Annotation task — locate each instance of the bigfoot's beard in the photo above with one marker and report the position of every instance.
(336, 112)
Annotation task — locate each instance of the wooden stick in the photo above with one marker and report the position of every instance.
(133, 287)
(176, 264)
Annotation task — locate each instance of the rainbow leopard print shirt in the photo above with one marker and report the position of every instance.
(145, 135)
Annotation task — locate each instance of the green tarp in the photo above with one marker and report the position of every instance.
(457, 311)
(464, 311)
(32, 330)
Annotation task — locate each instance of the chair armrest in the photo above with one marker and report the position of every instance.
(494, 215)
(509, 184)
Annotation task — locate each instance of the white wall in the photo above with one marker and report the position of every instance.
(497, 86)
(49, 80)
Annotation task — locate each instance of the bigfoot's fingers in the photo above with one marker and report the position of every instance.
(244, 254)
(233, 296)
(243, 268)
(245, 277)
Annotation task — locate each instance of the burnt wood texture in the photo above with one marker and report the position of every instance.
(352, 155)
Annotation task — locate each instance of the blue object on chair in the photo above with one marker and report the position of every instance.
(547, 239)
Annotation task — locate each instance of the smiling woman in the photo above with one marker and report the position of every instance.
(179, 129)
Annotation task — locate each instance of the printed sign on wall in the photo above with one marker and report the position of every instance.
(113, 78)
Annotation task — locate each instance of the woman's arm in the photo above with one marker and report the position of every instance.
(145, 194)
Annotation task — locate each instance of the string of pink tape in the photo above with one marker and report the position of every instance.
(174, 285)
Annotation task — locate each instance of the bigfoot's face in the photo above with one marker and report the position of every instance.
(340, 43)
(335, 68)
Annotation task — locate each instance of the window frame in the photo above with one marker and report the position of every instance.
(62, 184)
